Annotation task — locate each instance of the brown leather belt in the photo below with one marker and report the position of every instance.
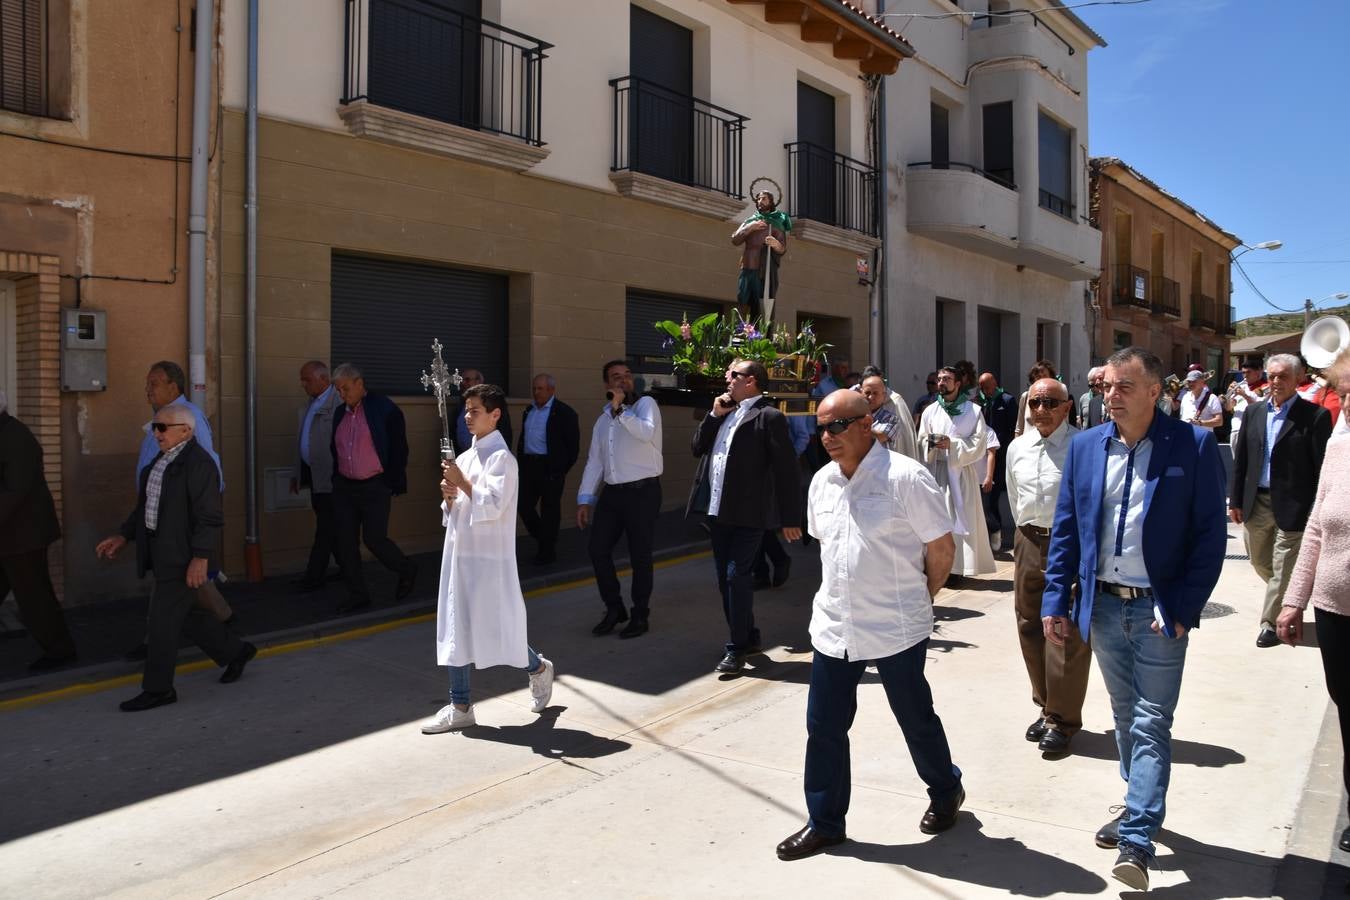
(1034, 531)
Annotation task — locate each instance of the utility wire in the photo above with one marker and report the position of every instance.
(1257, 291)
(1013, 12)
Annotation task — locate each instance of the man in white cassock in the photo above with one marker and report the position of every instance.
(480, 615)
(952, 440)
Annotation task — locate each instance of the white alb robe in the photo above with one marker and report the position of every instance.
(480, 615)
(956, 471)
(905, 442)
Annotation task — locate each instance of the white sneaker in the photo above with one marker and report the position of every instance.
(450, 718)
(541, 686)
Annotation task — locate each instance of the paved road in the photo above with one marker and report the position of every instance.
(651, 776)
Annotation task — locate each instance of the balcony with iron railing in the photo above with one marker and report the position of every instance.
(1203, 312)
(676, 149)
(1129, 287)
(1026, 35)
(963, 206)
(1166, 297)
(830, 189)
(424, 75)
(1227, 324)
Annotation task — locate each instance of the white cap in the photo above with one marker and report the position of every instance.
(1192, 377)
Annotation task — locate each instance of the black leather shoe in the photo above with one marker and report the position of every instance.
(137, 653)
(406, 581)
(149, 700)
(1055, 743)
(1267, 638)
(1131, 868)
(46, 663)
(939, 818)
(780, 573)
(1108, 836)
(636, 627)
(235, 668)
(613, 616)
(352, 604)
(1036, 730)
(731, 663)
(807, 842)
(1345, 840)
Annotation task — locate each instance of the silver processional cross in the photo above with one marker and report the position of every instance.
(442, 382)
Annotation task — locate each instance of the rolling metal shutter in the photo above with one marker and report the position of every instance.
(385, 314)
(642, 340)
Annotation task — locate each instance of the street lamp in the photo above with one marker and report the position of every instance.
(1309, 304)
(1264, 245)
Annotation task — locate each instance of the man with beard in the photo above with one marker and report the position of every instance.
(952, 439)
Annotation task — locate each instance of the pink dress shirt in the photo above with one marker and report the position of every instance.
(356, 454)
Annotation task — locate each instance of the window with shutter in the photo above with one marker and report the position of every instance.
(23, 56)
(644, 344)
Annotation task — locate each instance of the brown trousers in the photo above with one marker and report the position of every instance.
(1058, 674)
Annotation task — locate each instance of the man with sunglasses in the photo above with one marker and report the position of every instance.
(1091, 405)
(1058, 672)
(747, 483)
(885, 548)
(952, 437)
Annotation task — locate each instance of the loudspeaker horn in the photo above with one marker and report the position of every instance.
(1324, 340)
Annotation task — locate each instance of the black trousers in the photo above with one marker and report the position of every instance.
(361, 513)
(540, 489)
(770, 551)
(734, 549)
(28, 576)
(1333, 639)
(629, 509)
(173, 612)
(325, 538)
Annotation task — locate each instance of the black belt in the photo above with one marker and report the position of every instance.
(1034, 531)
(632, 485)
(1124, 591)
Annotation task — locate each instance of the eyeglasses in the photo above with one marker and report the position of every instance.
(162, 427)
(1044, 402)
(734, 374)
(837, 427)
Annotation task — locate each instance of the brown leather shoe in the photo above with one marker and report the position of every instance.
(804, 843)
(941, 817)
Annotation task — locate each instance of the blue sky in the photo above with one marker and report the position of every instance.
(1241, 108)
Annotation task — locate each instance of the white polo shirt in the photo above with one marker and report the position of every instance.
(873, 600)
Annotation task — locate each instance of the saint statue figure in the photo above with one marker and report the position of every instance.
(764, 232)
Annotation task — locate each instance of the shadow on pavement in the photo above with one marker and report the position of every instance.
(545, 738)
(1102, 745)
(954, 613)
(1295, 876)
(966, 854)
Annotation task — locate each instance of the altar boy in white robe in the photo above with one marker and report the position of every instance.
(952, 441)
(480, 616)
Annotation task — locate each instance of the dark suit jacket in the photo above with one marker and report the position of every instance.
(1294, 463)
(190, 515)
(562, 433)
(1000, 414)
(1185, 529)
(388, 432)
(761, 487)
(27, 513)
(456, 415)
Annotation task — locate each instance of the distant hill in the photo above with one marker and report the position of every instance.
(1282, 323)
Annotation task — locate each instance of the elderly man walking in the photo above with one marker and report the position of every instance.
(29, 525)
(952, 437)
(885, 548)
(1139, 532)
(1276, 464)
(550, 439)
(370, 454)
(1092, 405)
(891, 424)
(315, 468)
(1058, 672)
(176, 526)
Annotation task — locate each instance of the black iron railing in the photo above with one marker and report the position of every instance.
(1166, 297)
(1056, 204)
(1227, 324)
(1004, 177)
(23, 85)
(1129, 286)
(676, 137)
(994, 20)
(1203, 311)
(420, 57)
(831, 188)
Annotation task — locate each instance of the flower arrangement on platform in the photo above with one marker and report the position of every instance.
(706, 346)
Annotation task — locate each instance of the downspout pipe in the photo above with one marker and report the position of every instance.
(252, 547)
(201, 132)
(877, 319)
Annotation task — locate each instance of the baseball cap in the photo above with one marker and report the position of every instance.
(1194, 376)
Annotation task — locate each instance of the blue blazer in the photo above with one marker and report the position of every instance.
(1185, 525)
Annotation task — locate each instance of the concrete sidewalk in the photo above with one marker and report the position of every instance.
(651, 776)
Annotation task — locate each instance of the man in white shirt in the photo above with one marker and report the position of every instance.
(624, 456)
(1058, 673)
(885, 548)
(1250, 388)
(1199, 406)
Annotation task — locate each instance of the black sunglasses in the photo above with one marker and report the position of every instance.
(838, 426)
(162, 427)
(735, 374)
(1044, 402)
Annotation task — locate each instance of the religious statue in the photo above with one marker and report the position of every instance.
(763, 242)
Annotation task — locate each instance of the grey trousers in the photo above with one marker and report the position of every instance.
(1273, 553)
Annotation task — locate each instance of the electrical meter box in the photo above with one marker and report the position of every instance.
(84, 350)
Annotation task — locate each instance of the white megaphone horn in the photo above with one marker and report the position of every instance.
(1324, 340)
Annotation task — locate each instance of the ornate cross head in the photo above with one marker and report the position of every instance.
(440, 380)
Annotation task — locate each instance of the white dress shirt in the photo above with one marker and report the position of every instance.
(624, 448)
(1035, 469)
(717, 468)
(873, 600)
(1120, 551)
(1190, 407)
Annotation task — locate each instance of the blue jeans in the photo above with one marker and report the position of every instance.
(830, 706)
(459, 678)
(734, 550)
(1142, 671)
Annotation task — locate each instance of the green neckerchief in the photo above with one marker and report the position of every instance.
(985, 401)
(776, 219)
(953, 409)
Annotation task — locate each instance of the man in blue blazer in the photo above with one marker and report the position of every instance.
(1135, 551)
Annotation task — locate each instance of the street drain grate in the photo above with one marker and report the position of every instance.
(1214, 610)
(1238, 556)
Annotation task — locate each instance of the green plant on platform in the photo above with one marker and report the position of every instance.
(707, 345)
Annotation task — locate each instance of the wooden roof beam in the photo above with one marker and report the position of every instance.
(853, 48)
(821, 31)
(784, 12)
